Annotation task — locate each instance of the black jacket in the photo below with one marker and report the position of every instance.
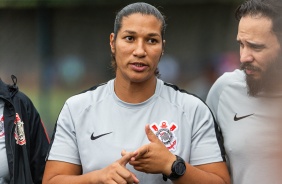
(27, 144)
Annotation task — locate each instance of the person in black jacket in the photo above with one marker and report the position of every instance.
(23, 139)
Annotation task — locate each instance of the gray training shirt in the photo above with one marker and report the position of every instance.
(95, 126)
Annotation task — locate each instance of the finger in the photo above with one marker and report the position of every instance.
(126, 157)
(123, 152)
(150, 134)
(142, 151)
(135, 179)
(135, 153)
(125, 174)
(118, 179)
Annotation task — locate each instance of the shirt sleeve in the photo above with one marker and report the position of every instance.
(64, 144)
(205, 147)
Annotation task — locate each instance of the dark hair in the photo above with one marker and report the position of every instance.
(266, 8)
(139, 7)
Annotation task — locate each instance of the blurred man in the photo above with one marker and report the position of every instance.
(23, 139)
(247, 103)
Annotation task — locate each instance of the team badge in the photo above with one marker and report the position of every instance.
(165, 132)
(2, 132)
(19, 131)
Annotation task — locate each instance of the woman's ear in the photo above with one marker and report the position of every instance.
(112, 42)
(163, 47)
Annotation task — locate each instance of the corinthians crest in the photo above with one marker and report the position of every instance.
(19, 131)
(165, 132)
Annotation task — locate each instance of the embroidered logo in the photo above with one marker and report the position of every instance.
(92, 137)
(19, 131)
(2, 132)
(165, 132)
(236, 118)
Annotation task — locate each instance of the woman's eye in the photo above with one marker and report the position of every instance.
(152, 41)
(129, 38)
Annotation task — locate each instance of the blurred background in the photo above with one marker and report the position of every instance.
(58, 48)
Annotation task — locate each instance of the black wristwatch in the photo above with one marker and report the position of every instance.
(178, 169)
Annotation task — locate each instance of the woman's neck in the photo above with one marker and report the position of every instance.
(135, 92)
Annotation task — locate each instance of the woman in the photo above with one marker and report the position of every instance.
(100, 136)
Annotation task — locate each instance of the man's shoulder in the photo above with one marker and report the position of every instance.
(231, 77)
(13, 92)
(228, 82)
(237, 77)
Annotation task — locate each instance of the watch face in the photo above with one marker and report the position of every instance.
(180, 168)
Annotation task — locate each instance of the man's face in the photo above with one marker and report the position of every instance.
(260, 52)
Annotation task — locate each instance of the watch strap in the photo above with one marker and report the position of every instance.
(173, 175)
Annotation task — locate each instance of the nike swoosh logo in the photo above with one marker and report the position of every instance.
(242, 117)
(98, 136)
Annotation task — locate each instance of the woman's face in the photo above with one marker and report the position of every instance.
(138, 48)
